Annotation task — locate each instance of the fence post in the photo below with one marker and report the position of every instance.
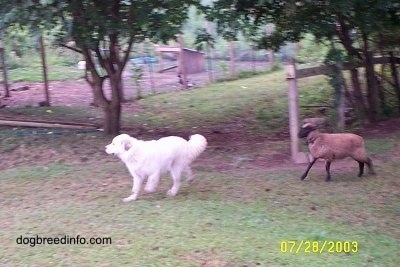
(232, 59)
(4, 68)
(290, 69)
(44, 68)
(182, 63)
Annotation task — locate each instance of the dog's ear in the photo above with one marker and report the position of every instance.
(127, 144)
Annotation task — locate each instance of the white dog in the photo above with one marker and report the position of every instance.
(152, 158)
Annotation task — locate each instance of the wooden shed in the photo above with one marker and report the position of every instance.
(194, 60)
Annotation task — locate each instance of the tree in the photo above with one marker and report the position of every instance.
(104, 31)
(358, 25)
(204, 40)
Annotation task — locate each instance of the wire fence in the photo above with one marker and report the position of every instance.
(151, 74)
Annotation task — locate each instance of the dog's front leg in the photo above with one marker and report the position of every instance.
(152, 183)
(137, 184)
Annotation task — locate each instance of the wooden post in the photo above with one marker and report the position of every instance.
(253, 60)
(269, 29)
(44, 66)
(297, 157)
(209, 56)
(150, 67)
(182, 67)
(341, 105)
(4, 67)
(271, 58)
(209, 63)
(232, 59)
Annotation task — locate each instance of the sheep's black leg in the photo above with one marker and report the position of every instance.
(361, 167)
(328, 170)
(370, 166)
(308, 169)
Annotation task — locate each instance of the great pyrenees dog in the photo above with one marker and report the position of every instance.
(150, 159)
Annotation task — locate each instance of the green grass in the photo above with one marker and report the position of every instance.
(35, 73)
(59, 67)
(242, 205)
(233, 218)
(259, 103)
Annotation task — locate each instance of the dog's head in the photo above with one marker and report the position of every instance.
(306, 129)
(120, 144)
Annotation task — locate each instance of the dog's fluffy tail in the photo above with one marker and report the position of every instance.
(196, 145)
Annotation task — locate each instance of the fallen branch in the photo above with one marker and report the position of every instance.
(15, 123)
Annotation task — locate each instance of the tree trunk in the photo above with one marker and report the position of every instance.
(112, 117)
(96, 84)
(341, 98)
(112, 111)
(99, 99)
(395, 78)
(357, 93)
(373, 90)
(121, 92)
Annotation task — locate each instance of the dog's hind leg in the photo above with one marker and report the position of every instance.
(152, 183)
(189, 173)
(176, 178)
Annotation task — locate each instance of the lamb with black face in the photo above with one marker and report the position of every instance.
(334, 146)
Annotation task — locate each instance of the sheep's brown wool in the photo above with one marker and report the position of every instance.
(334, 146)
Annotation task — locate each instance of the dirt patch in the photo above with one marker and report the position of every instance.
(78, 92)
(62, 93)
(229, 144)
(381, 129)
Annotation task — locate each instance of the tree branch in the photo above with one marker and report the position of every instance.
(101, 59)
(89, 63)
(343, 34)
(71, 48)
(127, 52)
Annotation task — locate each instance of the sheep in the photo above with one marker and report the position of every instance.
(334, 146)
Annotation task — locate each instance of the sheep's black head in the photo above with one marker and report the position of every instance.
(306, 129)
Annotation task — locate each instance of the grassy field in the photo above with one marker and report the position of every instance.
(246, 202)
(30, 68)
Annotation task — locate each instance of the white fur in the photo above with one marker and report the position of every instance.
(152, 158)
